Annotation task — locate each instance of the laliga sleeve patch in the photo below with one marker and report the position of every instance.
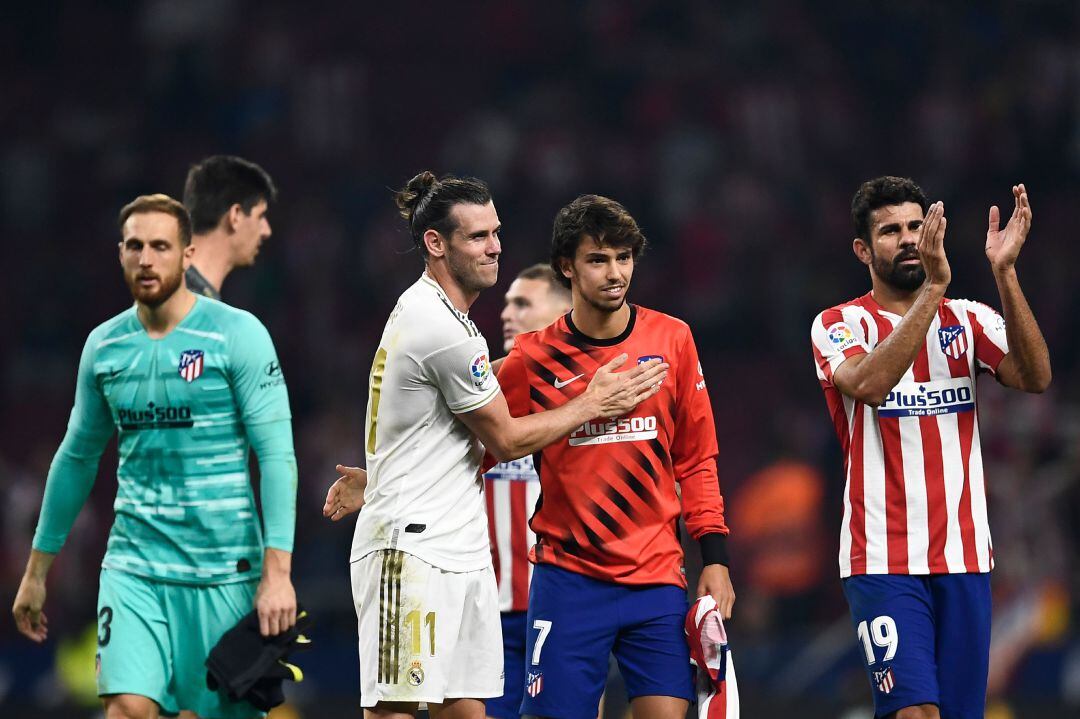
(841, 336)
(480, 370)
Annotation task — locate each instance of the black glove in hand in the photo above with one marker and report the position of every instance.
(248, 666)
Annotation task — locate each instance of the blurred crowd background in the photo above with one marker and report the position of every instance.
(736, 134)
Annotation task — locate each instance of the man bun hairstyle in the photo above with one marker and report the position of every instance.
(159, 203)
(221, 181)
(426, 203)
(880, 192)
(601, 218)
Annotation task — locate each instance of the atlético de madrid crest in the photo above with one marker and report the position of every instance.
(191, 364)
(534, 683)
(953, 340)
(884, 680)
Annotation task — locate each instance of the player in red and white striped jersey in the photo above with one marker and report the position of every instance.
(535, 300)
(898, 367)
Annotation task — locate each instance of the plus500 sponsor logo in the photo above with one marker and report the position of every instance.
(624, 429)
(516, 470)
(927, 399)
(155, 417)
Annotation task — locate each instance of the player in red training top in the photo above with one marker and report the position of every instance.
(534, 300)
(609, 575)
(898, 367)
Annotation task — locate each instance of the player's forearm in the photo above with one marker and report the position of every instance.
(703, 510)
(37, 566)
(277, 491)
(277, 564)
(71, 476)
(872, 379)
(273, 445)
(1027, 346)
(714, 549)
(533, 432)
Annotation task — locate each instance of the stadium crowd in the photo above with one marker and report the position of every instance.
(736, 136)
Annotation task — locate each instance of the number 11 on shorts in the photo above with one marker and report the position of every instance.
(883, 633)
(544, 625)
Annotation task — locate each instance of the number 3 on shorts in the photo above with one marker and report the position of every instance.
(544, 625)
(883, 633)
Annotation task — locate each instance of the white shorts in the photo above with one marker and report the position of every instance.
(426, 634)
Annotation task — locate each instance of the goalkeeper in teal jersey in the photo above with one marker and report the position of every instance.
(189, 384)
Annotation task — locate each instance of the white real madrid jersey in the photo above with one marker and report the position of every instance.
(424, 494)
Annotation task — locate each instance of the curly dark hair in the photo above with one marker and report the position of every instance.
(879, 192)
(601, 218)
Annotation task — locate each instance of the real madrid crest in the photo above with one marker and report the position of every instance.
(416, 674)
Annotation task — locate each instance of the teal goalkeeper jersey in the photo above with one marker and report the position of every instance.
(187, 408)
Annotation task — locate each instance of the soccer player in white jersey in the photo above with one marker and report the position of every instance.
(898, 367)
(534, 300)
(423, 584)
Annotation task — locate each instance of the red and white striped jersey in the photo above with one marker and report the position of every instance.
(915, 498)
(512, 489)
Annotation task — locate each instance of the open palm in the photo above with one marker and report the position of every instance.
(346, 495)
(1003, 245)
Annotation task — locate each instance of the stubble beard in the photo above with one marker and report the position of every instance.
(467, 275)
(605, 306)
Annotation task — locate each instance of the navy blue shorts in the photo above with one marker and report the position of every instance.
(925, 639)
(513, 631)
(575, 622)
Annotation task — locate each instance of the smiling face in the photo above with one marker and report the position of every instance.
(152, 257)
(892, 252)
(472, 252)
(599, 274)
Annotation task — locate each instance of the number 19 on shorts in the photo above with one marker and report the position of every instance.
(881, 632)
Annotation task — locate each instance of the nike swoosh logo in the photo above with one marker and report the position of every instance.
(559, 384)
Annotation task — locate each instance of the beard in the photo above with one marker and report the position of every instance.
(167, 287)
(466, 273)
(903, 277)
(603, 305)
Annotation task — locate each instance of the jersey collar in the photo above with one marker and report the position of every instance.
(611, 341)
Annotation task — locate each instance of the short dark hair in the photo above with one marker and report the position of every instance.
(221, 181)
(159, 203)
(426, 202)
(543, 271)
(879, 192)
(601, 218)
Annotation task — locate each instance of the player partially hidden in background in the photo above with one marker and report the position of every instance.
(608, 575)
(190, 385)
(898, 367)
(228, 199)
(423, 584)
(534, 300)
